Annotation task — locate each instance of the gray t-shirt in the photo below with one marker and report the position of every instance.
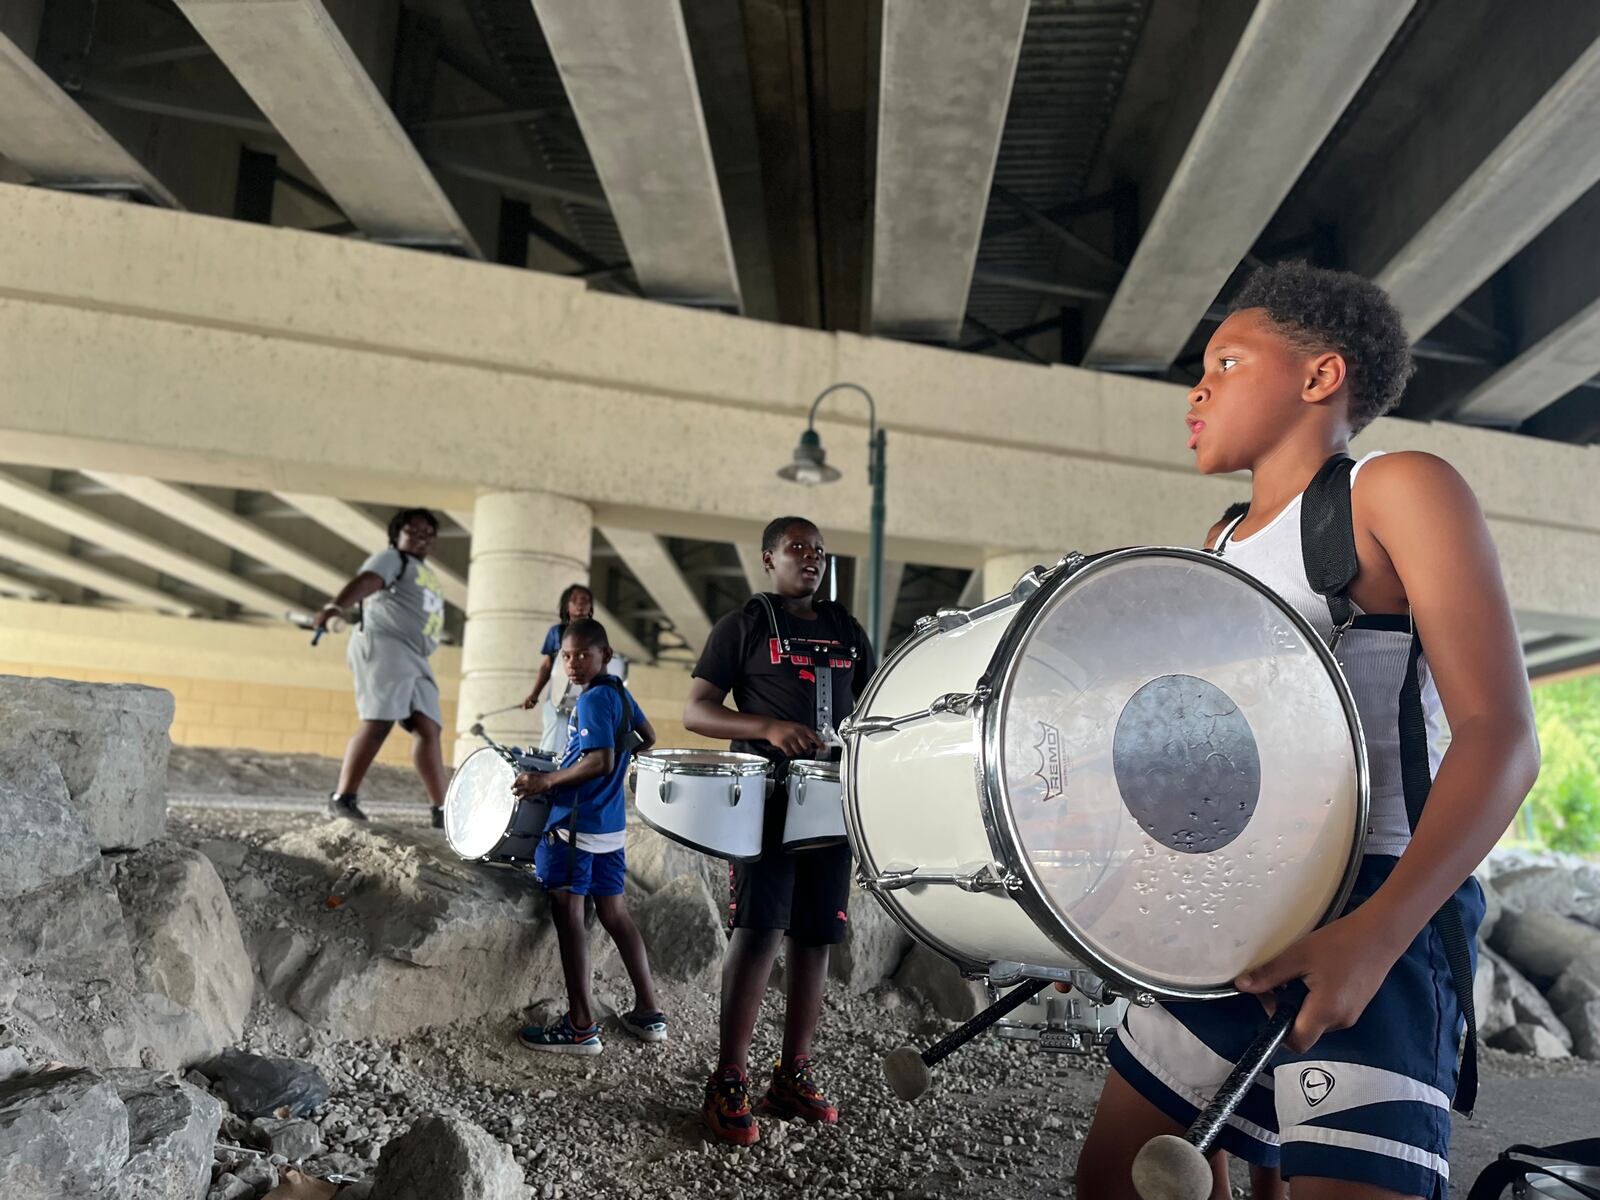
(410, 607)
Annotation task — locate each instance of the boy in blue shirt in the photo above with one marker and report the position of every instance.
(581, 854)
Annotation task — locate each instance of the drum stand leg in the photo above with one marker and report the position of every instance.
(907, 1068)
(1175, 1168)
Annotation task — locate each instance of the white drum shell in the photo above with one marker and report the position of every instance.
(927, 803)
(721, 814)
(815, 815)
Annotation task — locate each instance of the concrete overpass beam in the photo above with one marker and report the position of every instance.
(894, 574)
(944, 85)
(1295, 69)
(27, 589)
(755, 571)
(206, 516)
(629, 74)
(46, 133)
(652, 566)
(59, 565)
(291, 58)
(50, 509)
(1556, 282)
(1522, 183)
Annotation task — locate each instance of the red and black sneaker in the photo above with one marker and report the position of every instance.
(794, 1093)
(727, 1109)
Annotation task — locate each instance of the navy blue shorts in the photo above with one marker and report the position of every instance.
(557, 866)
(1369, 1104)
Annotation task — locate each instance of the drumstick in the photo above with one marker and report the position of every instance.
(907, 1068)
(495, 712)
(1175, 1168)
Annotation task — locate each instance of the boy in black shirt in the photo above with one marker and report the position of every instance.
(770, 655)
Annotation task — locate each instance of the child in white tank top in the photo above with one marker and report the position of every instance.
(1358, 1101)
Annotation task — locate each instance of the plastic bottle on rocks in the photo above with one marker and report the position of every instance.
(345, 886)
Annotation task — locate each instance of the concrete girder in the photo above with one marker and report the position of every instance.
(368, 533)
(50, 509)
(1556, 294)
(1296, 67)
(178, 373)
(972, 591)
(291, 58)
(1548, 160)
(1543, 660)
(894, 574)
(629, 75)
(75, 570)
(28, 589)
(660, 577)
(46, 133)
(755, 571)
(944, 85)
(622, 641)
(188, 507)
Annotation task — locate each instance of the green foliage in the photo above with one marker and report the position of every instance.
(1565, 802)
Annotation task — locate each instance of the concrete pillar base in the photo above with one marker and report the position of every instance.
(526, 547)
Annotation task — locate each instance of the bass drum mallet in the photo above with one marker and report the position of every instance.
(1175, 1168)
(907, 1069)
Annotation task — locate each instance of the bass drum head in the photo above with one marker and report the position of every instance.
(478, 803)
(1175, 763)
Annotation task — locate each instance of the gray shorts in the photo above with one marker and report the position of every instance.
(392, 680)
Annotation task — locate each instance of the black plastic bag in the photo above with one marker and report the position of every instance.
(255, 1086)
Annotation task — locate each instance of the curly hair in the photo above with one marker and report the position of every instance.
(1318, 309)
(564, 606)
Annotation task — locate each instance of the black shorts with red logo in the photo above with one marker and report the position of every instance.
(804, 891)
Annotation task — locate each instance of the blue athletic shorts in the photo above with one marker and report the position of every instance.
(1369, 1104)
(557, 866)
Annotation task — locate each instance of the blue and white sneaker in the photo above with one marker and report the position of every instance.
(561, 1037)
(646, 1026)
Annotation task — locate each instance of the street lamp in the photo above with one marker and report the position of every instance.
(810, 467)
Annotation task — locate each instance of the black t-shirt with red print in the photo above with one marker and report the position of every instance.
(743, 657)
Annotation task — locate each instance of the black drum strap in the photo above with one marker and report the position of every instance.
(1328, 549)
(1506, 1170)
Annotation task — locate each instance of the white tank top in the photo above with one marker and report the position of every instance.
(1374, 662)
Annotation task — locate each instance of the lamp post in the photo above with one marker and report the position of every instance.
(810, 467)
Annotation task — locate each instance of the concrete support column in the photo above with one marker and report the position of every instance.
(526, 547)
(1002, 568)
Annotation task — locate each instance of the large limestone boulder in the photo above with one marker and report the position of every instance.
(63, 1135)
(1527, 1007)
(443, 1158)
(435, 939)
(1583, 1020)
(186, 940)
(937, 981)
(873, 945)
(109, 740)
(1551, 889)
(172, 1128)
(42, 835)
(655, 860)
(1542, 945)
(1491, 1001)
(682, 929)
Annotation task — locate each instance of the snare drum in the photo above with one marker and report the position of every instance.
(713, 801)
(1143, 763)
(815, 816)
(484, 819)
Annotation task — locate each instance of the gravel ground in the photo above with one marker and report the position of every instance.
(1001, 1117)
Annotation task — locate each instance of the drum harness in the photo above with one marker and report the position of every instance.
(821, 662)
(1328, 551)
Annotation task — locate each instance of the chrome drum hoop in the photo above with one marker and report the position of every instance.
(999, 821)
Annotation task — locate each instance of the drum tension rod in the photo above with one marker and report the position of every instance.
(986, 878)
(957, 703)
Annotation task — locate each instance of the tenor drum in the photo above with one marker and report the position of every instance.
(713, 801)
(815, 815)
(1143, 763)
(484, 819)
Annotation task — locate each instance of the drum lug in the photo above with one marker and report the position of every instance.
(1035, 577)
(738, 792)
